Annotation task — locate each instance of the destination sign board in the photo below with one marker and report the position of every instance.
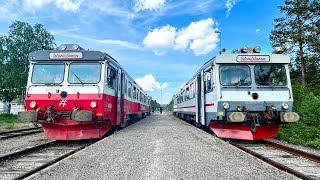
(66, 55)
(251, 58)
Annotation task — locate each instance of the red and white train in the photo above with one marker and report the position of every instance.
(240, 96)
(81, 94)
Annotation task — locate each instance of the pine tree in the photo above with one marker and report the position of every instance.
(299, 32)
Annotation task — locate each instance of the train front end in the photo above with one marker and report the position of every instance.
(254, 95)
(65, 93)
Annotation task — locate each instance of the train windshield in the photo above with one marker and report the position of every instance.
(81, 73)
(270, 75)
(235, 75)
(47, 73)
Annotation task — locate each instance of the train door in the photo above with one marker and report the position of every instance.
(200, 115)
(122, 90)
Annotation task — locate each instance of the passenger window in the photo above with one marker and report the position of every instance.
(111, 77)
(129, 89)
(208, 82)
(134, 92)
(140, 97)
(187, 94)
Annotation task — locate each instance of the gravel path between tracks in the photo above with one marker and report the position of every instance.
(11, 145)
(161, 147)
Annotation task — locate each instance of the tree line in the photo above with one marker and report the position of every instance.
(21, 39)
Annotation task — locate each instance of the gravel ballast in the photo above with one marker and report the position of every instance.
(161, 147)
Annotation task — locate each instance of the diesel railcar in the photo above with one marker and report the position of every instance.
(80, 94)
(246, 95)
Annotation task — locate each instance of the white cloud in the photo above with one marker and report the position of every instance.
(149, 83)
(160, 39)
(141, 5)
(183, 84)
(66, 5)
(125, 44)
(229, 5)
(258, 30)
(8, 9)
(200, 37)
(36, 4)
(62, 31)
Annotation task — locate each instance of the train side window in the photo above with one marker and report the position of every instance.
(129, 89)
(191, 91)
(111, 77)
(124, 90)
(208, 81)
(134, 93)
(140, 97)
(187, 97)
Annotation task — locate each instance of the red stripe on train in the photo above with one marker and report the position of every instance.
(194, 106)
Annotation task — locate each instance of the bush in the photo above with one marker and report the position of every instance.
(8, 118)
(299, 94)
(307, 130)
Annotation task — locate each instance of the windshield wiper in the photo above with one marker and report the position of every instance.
(265, 81)
(76, 77)
(241, 81)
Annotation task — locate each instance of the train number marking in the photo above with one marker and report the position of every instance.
(63, 102)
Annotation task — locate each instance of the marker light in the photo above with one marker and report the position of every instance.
(244, 49)
(225, 105)
(257, 49)
(93, 104)
(75, 47)
(63, 47)
(33, 104)
(285, 106)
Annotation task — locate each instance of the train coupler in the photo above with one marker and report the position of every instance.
(255, 123)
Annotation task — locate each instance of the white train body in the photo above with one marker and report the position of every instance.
(241, 96)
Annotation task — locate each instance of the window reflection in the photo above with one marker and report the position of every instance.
(47, 73)
(84, 73)
(235, 75)
(273, 75)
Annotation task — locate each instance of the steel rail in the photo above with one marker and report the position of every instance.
(293, 151)
(274, 163)
(29, 151)
(19, 132)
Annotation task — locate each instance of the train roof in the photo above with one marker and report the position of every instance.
(74, 52)
(252, 58)
(241, 58)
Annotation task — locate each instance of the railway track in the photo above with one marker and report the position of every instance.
(299, 163)
(19, 132)
(24, 163)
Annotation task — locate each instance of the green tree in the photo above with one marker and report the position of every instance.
(169, 107)
(299, 33)
(154, 104)
(14, 49)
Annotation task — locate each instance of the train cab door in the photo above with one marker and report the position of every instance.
(200, 115)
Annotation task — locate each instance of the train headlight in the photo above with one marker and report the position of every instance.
(32, 104)
(63, 47)
(225, 105)
(93, 104)
(285, 106)
(75, 47)
(245, 49)
(257, 49)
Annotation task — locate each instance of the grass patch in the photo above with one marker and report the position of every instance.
(299, 133)
(8, 118)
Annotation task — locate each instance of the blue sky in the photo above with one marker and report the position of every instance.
(160, 43)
